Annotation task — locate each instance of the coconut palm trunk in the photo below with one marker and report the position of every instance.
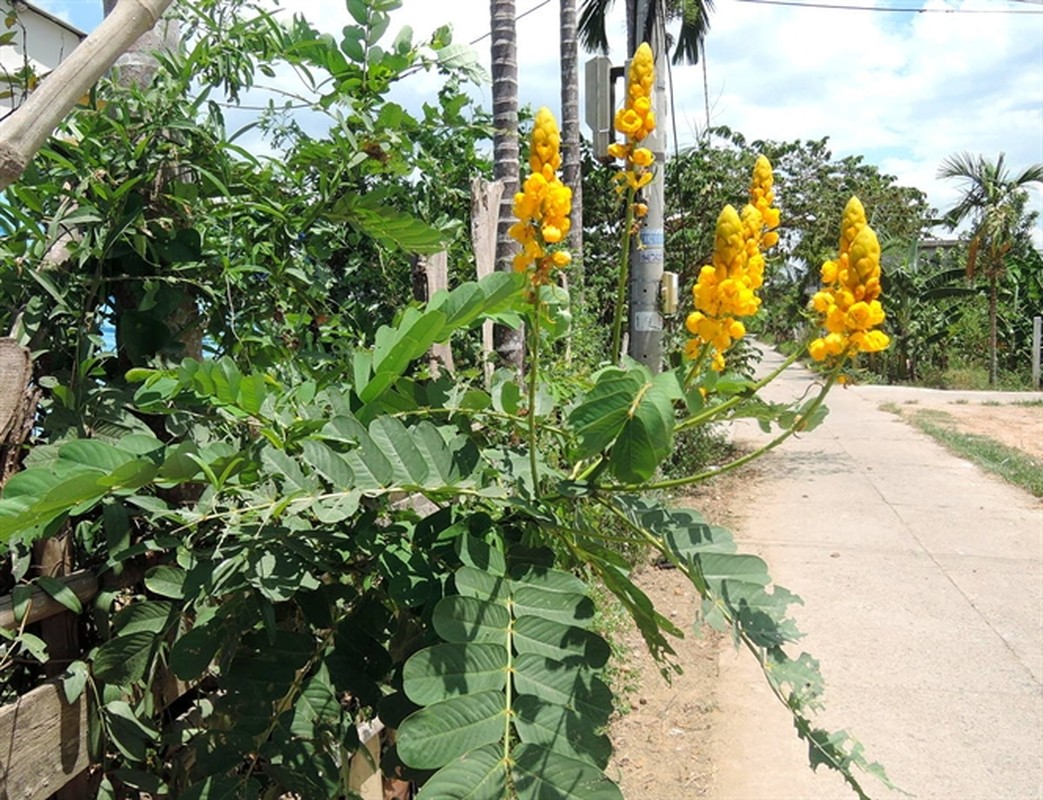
(571, 161)
(510, 344)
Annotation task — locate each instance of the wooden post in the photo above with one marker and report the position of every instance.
(17, 404)
(1037, 345)
(485, 210)
(430, 275)
(43, 743)
(365, 779)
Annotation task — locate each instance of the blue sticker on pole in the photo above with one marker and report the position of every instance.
(653, 238)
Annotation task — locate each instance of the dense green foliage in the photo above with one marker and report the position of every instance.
(289, 512)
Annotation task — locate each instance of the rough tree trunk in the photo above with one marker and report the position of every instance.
(571, 159)
(510, 344)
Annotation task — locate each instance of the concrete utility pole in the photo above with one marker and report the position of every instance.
(646, 255)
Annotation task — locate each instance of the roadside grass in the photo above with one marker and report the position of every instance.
(1008, 463)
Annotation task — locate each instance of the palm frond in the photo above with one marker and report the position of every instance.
(695, 23)
(593, 25)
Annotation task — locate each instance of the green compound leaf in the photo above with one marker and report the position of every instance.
(564, 607)
(391, 228)
(560, 729)
(566, 643)
(513, 707)
(447, 670)
(541, 773)
(564, 685)
(468, 619)
(409, 467)
(478, 775)
(435, 735)
(474, 582)
(738, 597)
(396, 347)
(632, 413)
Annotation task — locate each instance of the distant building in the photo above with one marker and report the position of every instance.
(32, 43)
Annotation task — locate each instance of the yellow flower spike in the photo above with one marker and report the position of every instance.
(847, 304)
(636, 120)
(643, 157)
(853, 221)
(543, 205)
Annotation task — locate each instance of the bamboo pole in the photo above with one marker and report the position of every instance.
(24, 132)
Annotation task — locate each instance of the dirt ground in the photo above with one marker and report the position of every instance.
(1017, 426)
(662, 743)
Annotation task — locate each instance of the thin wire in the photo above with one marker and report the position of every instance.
(522, 15)
(837, 7)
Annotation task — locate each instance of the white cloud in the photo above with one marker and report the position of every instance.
(904, 90)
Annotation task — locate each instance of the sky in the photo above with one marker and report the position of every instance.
(905, 89)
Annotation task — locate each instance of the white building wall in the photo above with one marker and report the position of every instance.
(39, 39)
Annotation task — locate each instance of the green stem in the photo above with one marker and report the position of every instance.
(621, 288)
(534, 363)
(796, 427)
(713, 411)
(694, 369)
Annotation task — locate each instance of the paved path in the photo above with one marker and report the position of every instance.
(922, 579)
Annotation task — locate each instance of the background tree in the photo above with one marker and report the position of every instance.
(571, 157)
(24, 132)
(694, 16)
(994, 202)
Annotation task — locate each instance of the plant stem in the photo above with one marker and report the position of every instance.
(796, 427)
(709, 413)
(621, 289)
(534, 364)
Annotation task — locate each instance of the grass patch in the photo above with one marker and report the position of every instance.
(1012, 465)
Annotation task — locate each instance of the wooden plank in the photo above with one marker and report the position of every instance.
(43, 743)
(14, 375)
(485, 214)
(84, 585)
(364, 777)
(436, 269)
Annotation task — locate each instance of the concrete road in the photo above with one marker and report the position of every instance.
(922, 579)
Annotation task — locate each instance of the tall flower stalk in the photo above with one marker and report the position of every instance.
(635, 120)
(848, 304)
(542, 207)
(726, 290)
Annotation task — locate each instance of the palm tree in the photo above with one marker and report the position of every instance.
(688, 44)
(509, 343)
(571, 160)
(993, 200)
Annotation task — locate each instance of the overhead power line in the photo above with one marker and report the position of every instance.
(905, 10)
(522, 15)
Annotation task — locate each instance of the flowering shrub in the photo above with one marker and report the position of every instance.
(385, 543)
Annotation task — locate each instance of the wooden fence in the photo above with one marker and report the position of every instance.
(43, 737)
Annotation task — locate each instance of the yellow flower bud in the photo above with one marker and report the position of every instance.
(643, 157)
